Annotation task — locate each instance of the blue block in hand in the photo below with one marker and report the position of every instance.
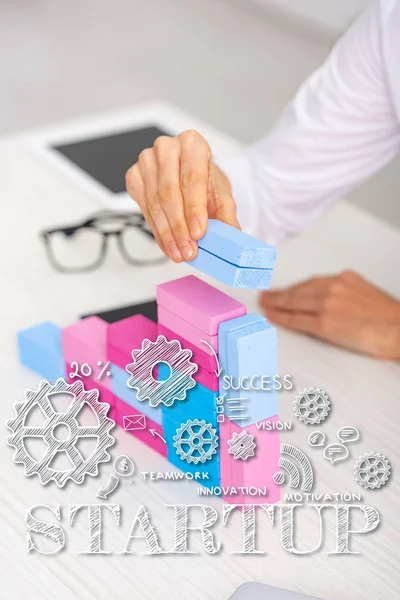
(40, 349)
(210, 468)
(237, 247)
(248, 349)
(230, 274)
(120, 389)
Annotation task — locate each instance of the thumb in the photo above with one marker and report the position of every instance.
(220, 203)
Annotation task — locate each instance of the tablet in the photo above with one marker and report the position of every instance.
(99, 162)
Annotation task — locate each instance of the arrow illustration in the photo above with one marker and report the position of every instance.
(218, 370)
(110, 486)
(154, 432)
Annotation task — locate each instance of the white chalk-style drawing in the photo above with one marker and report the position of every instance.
(135, 422)
(105, 491)
(305, 481)
(316, 439)
(336, 452)
(123, 465)
(242, 445)
(372, 470)
(348, 434)
(279, 477)
(312, 406)
(146, 359)
(66, 442)
(196, 441)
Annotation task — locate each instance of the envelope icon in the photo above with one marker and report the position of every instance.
(134, 422)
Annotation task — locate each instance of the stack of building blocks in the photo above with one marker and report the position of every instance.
(123, 337)
(86, 342)
(191, 310)
(208, 323)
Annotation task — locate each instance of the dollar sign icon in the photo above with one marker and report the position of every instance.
(123, 465)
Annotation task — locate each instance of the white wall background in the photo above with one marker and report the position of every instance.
(329, 16)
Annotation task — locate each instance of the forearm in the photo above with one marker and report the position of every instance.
(340, 129)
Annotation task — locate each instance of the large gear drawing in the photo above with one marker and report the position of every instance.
(80, 466)
(242, 445)
(196, 441)
(372, 470)
(159, 391)
(312, 406)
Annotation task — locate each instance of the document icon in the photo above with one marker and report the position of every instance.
(134, 422)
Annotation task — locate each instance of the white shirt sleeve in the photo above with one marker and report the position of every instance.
(340, 129)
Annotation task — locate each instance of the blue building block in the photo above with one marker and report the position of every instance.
(248, 349)
(40, 349)
(120, 389)
(232, 325)
(237, 247)
(230, 274)
(200, 403)
(210, 467)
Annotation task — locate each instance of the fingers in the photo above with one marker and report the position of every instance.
(178, 188)
(297, 321)
(307, 296)
(221, 204)
(152, 210)
(170, 197)
(195, 159)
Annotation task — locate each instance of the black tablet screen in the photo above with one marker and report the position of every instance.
(107, 158)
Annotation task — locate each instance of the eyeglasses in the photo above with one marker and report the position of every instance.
(83, 246)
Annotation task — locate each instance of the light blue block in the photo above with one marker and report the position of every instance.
(40, 349)
(212, 466)
(237, 247)
(230, 274)
(246, 349)
(119, 388)
(200, 403)
(232, 325)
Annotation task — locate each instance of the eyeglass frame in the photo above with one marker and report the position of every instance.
(135, 220)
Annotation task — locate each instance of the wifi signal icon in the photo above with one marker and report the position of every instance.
(291, 469)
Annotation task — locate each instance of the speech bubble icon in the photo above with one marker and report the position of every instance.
(316, 438)
(336, 452)
(348, 434)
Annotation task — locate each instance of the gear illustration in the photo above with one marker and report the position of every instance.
(372, 470)
(242, 445)
(49, 432)
(312, 406)
(168, 354)
(196, 441)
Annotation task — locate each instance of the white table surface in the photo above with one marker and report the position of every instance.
(364, 393)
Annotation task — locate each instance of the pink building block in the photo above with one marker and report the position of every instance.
(202, 375)
(105, 394)
(195, 301)
(189, 332)
(127, 335)
(256, 471)
(140, 426)
(199, 356)
(86, 342)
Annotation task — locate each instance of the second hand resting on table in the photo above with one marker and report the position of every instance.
(340, 129)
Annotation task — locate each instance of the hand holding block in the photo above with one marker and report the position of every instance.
(230, 274)
(237, 247)
(197, 302)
